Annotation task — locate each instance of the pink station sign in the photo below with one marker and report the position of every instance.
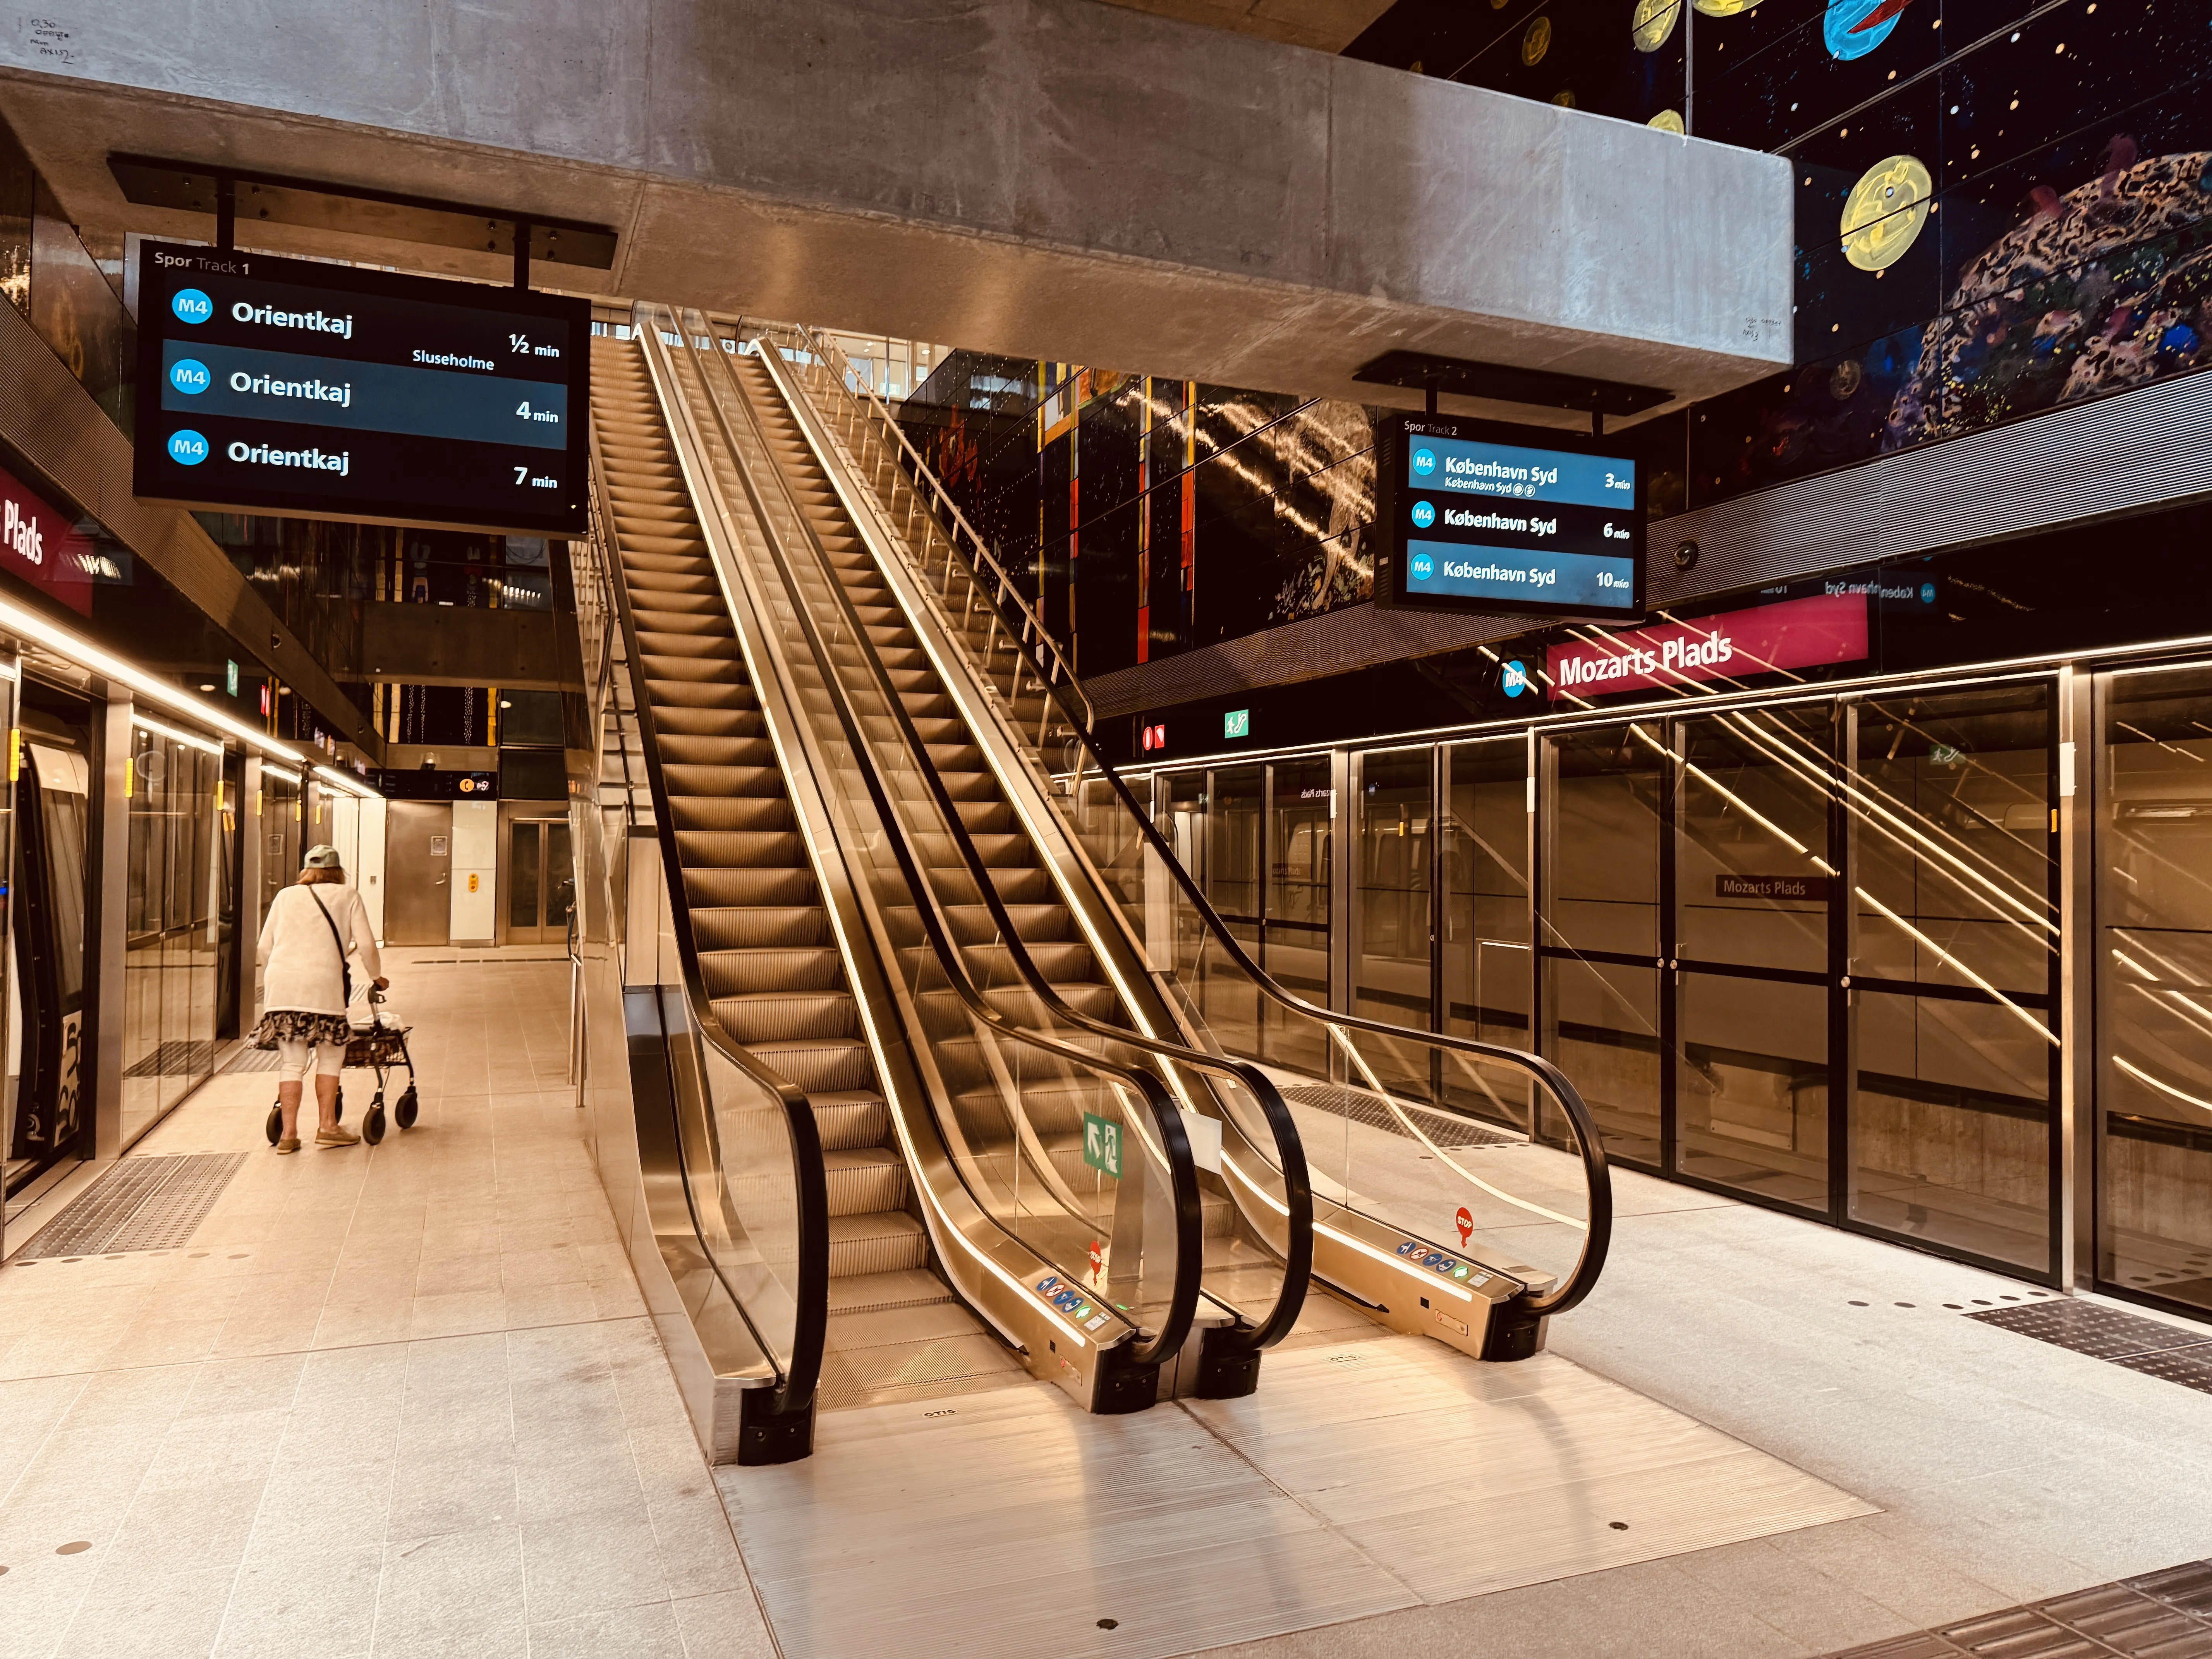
(43, 546)
(1825, 628)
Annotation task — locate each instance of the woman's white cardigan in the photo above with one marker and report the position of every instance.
(301, 969)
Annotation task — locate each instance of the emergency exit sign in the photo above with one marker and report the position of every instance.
(1102, 1145)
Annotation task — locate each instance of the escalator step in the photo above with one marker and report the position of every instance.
(768, 926)
(864, 1180)
(886, 1241)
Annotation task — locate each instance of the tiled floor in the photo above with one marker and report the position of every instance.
(2006, 1470)
(404, 1401)
(391, 1401)
(1371, 1474)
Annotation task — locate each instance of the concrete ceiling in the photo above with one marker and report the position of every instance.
(1323, 25)
(1042, 177)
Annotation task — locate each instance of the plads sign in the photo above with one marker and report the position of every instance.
(1735, 645)
(43, 546)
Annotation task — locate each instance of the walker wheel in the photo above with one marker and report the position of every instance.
(372, 1127)
(340, 1108)
(276, 1124)
(406, 1113)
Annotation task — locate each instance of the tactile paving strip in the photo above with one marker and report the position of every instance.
(2161, 1616)
(2149, 1345)
(141, 1204)
(1453, 1133)
(254, 1060)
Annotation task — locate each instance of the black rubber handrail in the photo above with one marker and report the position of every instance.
(1291, 1151)
(810, 1327)
(1167, 1117)
(1598, 1239)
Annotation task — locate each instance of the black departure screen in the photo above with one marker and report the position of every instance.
(331, 391)
(1480, 517)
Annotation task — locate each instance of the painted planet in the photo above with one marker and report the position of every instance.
(1653, 25)
(1535, 41)
(1724, 8)
(1666, 120)
(1845, 380)
(1884, 213)
(1852, 29)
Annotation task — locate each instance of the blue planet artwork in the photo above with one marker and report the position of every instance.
(1853, 28)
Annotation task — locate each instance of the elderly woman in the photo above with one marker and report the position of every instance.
(311, 931)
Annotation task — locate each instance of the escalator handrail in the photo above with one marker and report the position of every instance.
(1167, 1117)
(1290, 1150)
(1058, 670)
(810, 1327)
(1589, 1142)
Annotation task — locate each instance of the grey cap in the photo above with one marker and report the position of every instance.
(324, 857)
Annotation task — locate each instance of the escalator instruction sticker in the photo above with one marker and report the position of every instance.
(1068, 1300)
(1438, 1263)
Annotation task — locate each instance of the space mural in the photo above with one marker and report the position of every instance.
(2069, 260)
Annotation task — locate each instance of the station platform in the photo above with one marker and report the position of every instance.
(405, 1400)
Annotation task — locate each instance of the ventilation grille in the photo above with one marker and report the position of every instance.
(141, 1204)
(1452, 1132)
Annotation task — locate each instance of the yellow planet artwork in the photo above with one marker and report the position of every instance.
(1653, 25)
(1885, 210)
(1535, 41)
(1565, 97)
(1725, 8)
(1668, 120)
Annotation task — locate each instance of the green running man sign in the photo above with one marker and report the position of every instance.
(1102, 1145)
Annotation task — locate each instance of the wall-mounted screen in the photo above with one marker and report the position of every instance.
(1480, 517)
(334, 392)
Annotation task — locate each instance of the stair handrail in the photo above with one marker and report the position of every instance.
(1033, 640)
(1167, 1117)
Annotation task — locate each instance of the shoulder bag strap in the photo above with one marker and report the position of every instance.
(345, 962)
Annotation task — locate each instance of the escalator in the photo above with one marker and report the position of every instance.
(768, 962)
(773, 960)
(1011, 898)
(1461, 1189)
(883, 965)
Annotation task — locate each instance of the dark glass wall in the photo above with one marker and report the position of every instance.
(1147, 516)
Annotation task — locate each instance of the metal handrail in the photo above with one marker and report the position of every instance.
(1167, 1117)
(810, 1327)
(1598, 1237)
(1291, 1151)
(1033, 639)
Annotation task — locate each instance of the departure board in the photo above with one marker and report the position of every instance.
(335, 392)
(1477, 517)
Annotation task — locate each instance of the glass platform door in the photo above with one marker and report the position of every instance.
(2153, 1149)
(1755, 981)
(1955, 965)
(1807, 953)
